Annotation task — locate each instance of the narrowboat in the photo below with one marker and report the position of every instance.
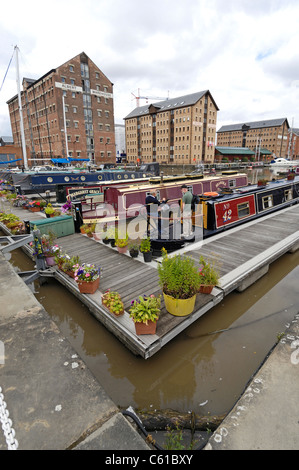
(231, 208)
(126, 201)
(41, 181)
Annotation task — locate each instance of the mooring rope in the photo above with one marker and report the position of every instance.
(6, 422)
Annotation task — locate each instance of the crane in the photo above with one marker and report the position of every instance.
(138, 98)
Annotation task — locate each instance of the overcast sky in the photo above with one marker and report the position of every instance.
(244, 51)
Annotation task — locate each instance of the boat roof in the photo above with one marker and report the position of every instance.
(147, 186)
(252, 188)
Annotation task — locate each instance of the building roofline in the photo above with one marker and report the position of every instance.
(254, 125)
(171, 103)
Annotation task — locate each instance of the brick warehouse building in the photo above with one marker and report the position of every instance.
(179, 130)
(293, 144)
(269, 134)
(87, 114)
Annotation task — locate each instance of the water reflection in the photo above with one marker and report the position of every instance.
(204, 369)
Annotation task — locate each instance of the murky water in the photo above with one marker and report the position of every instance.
(206, 368)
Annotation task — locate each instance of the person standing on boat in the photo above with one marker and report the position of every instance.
(186, 211)
(152, 208)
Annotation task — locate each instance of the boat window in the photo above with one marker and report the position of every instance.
(267, 202)
(231, 183)
(288, 194)
(243, 209)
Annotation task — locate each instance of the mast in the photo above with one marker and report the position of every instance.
(20, 110)
(290, 138)
(64, 123)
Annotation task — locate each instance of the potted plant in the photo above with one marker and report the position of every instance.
(209, 276)
(50, 250)
(179, 280)
(34, 206)
(291, 176)
(70, 264)
(60, 257)
(111, 235)
(49, 210)
(67, 208)
(113, 302)
(262, 182)
(87, 277)
(89, 230)
(122, 244)
(145, 312)
(134, 248)
(145, 248)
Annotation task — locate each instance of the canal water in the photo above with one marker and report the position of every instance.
(206, 368)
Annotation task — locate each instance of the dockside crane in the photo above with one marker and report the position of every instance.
(138, 98)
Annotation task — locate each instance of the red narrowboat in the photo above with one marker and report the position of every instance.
(243, 204)
(126, 201)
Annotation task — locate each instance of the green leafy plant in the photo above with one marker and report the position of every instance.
(48, 244)
(145, 245)
(208, 272)
(112, 300)
(122, 242)
(70, 263)
(134, 246)
(111, 233)
(49, 209)
(174, 439)
(178, 276)
(89, 229)
(146, 308)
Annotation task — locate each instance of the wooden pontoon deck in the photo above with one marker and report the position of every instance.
(244, 252)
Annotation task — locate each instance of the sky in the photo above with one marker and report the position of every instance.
(245, 52)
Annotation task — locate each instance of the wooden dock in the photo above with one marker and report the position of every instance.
(244, 252)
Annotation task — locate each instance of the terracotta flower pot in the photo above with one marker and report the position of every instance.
(88, 287)
(145, 329)
(206, 289)
(122, 249)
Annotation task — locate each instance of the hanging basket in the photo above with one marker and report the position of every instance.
(88, 287)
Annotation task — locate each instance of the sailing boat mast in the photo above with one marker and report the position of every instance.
(20, 110)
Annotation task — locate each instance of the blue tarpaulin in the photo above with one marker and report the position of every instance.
(10, 161)
(78, 159)
(59, 160)
(69, 159)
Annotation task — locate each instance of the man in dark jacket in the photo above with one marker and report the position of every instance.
(152, 208)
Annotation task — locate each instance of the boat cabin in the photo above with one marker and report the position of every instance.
(228, 209)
